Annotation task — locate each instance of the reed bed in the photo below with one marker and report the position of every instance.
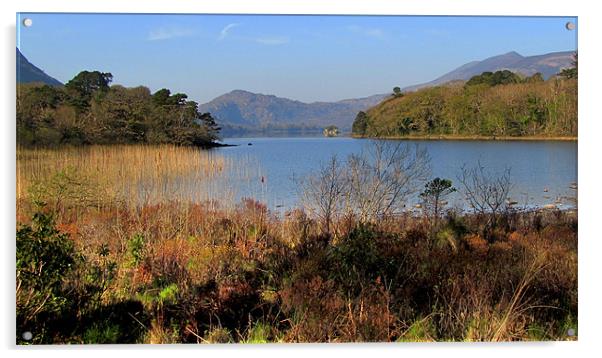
(132, 174)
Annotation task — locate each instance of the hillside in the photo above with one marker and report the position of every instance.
(524, 108)
(548, 65)
(247, 111)
(253, 110)
(28, 73)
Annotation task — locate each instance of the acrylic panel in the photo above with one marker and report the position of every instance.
(190, 178)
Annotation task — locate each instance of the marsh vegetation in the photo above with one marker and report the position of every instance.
(111, 248)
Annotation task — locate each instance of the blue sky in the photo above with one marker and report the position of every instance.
(307, 58)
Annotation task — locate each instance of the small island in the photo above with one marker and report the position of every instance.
(331, 131)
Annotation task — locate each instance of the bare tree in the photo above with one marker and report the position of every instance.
(323, 192)
(373, 184)
(486, 192)
(383, 176)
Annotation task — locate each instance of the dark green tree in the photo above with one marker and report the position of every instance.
(433, 196)
(406, 126)
(85, 84)
(178, 99)
(494, 78)
(161, 97)
(360, 124)
(212, 127)
(36, 104)
(124, 114)
(396, 91)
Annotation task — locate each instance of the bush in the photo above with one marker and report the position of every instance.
(136, 249)
(356, 255)
(45, 257)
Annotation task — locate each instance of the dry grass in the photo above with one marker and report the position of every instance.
(131, 174)
(201, 272)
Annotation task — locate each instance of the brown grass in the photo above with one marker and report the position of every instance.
(131, 174)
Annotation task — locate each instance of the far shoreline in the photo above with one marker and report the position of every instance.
(472, 138)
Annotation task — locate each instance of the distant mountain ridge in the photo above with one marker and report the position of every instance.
(258, 111)
(254, 110)
(548, 65)
(27, 72)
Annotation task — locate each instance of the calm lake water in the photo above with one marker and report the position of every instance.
(536, 166)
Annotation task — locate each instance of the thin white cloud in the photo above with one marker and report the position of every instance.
(272, 40)
(372, 32)
(166, 33)
(224, 33)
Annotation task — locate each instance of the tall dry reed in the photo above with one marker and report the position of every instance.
(134, 174)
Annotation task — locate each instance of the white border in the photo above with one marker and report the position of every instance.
(589, 161)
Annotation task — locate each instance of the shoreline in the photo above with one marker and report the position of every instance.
(472, 138)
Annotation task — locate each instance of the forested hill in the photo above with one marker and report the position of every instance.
(88, 110)
(501, 104)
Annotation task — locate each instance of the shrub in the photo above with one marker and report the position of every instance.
(476, 243)
(136, 249)
(239, 276)
(45, 257)
(447, 238)
(356, 256)
(100, 333)
(422, 330)
(259, 333)
(99, 273)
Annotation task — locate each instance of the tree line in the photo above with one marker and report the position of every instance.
(88, 110)
(498, 103)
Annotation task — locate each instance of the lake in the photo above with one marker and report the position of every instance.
(542, 171)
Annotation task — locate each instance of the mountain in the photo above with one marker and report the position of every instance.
(548, 65)
(252, 110)
(27, 72)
